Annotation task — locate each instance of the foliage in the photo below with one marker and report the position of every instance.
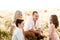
(5, 35)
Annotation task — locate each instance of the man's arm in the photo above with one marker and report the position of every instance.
(27, 25)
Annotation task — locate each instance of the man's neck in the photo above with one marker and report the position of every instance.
(34, 22)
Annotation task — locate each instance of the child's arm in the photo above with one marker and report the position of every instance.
(52, 31)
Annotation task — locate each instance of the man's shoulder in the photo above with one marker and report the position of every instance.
(30, 18)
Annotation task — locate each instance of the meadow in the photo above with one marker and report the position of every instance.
(6, 18)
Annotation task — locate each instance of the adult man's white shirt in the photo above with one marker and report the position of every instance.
(18, 34)
(30, 24)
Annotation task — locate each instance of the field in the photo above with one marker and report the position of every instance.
(6, 18)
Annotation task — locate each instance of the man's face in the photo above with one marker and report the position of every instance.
(35, 16)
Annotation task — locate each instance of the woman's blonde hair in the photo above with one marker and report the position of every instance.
(16, 15)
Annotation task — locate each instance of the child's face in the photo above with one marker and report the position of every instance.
(21, 25)
(50, 19)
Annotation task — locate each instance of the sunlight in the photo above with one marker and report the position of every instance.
(28, 4)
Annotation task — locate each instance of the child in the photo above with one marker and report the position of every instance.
(53, 24)
(18, 32)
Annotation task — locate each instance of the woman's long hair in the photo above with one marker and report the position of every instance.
(17, 14)
(55, 20)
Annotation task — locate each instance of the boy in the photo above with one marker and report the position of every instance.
(18, 32)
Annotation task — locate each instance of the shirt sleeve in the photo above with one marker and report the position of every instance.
(28, 25)
(38, 24)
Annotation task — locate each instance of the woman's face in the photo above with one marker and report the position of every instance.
(20, 16)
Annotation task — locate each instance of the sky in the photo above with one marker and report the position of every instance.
(28, 4)
(8, 5)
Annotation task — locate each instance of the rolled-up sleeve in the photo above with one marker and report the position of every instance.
(28, 24)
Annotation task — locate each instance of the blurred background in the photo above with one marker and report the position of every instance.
(44, 7)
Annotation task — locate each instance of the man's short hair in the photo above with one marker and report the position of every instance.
(19, 21)
(34, 12)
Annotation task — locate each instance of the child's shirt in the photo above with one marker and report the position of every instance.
(18, 34)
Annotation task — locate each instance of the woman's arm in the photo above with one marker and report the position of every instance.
(11, 28)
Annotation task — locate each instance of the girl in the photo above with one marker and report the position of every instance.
(18, 32)
(53, 24)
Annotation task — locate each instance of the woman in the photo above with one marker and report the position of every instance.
(53, 24)
(18, 32)
(18, 15)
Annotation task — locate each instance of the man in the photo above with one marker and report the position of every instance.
(33, 24)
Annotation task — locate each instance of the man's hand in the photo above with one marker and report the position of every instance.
(38, 31)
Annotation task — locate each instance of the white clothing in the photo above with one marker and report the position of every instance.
(18, 34)
(30, 24)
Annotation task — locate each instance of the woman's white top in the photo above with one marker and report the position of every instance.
(52, 28)
(18, 34)
(30, 24)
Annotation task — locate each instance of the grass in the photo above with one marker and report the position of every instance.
(5, 35)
